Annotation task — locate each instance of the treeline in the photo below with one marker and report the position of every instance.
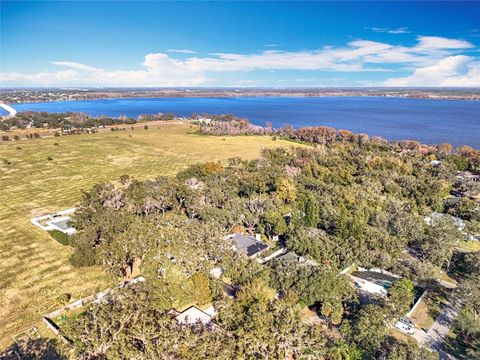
(327, 135)
(71, 121)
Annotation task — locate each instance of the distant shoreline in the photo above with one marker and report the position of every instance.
(20, 96)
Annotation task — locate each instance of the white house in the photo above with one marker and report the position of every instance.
(58, 221)
(373, 281)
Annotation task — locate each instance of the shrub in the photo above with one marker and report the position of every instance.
(16, 137)
(56, 134)
(59, 236)
(49, 158)
(145, 127)
(63, 299)
(19, 148)
(5, 138)
(6, 162)
(56, 144)
(36, 135)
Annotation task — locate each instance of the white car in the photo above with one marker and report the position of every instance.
(406, 328)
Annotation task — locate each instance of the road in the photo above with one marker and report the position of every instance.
(11, 111)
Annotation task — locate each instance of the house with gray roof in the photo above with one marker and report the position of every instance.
(247, 244)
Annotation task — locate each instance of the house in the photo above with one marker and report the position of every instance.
(194, 315)
(436, 216)
(467, 176)
(292, 257)
(58, 221)
(373, 281)
(247, 244)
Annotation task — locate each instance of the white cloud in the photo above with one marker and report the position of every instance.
(159, 70)
(181, 51)
(459, 70)
(163, 70)
(76, 66)
(400, 30)
(439, 43)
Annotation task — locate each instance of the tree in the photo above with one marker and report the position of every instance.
(438, 242)
(370, 328)
(286, 190)
(201, 288)
(311, 211)
(393, 349)
(401, 296)
(275, 223)
(343, 351)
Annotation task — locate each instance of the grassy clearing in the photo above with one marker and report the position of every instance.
(34, 268)
(402, 337)
(469, 246)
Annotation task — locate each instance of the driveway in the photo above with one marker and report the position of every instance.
(435, 337)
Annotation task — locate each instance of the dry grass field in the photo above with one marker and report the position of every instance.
(34, 268)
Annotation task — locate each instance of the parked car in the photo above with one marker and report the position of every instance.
(407, 321)
(405, 328)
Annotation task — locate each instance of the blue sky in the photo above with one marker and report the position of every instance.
(279, 44)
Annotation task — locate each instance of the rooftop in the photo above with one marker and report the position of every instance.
(375, 277)
(192, 316)
(248, 244)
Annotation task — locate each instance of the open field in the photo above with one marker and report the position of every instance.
(34, 268)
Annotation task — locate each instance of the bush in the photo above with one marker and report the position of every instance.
(5, 138)
(6, 162)
(49, 158)
(16, 137)
(19, 148)
(36, 135)
(56, 144)
(56, 134)
(63, 299)
(145, 127)
(61, 237)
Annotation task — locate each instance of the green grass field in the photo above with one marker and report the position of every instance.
(34, 268)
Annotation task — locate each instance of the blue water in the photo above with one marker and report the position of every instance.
(428, 121)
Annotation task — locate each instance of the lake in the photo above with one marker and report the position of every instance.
(428, 121)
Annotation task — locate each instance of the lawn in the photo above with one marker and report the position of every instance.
(402, 337)
(422, 316)
(34, 267)
(428, 310)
